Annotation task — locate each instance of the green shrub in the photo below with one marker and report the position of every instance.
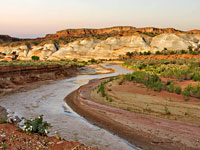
(186, 91)
(147, 53)
(101, 89)
(165, 49)
(35, 58)
(190, 48)
(172, 53)
(183, 52)
(196, 76)
(151, 81)
(129, 54)
(93, 61)
(142, 66)
(171, 87)
(167, 110)
(4, 146)
(158, 53)
(36, 126)
(158, 86)
(195, 91)
(177, 89)
(4, 120)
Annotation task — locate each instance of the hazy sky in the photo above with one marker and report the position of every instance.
(33, 18)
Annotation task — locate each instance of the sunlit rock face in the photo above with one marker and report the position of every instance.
(109, 43)
(170, 41)
(101, 49)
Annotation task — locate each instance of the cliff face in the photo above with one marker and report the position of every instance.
(194, 31)
(89, 32)
(84, 44)
(12, 76)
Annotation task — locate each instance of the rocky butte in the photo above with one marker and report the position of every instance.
(107, 43)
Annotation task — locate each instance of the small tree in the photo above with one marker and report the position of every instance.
(147, 53)
(158, 53)
(129, 54)
(35, 58)
(190, 48)
(93, 61)
(172, 52)
(183, 52)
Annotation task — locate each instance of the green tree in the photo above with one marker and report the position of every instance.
(35, 58)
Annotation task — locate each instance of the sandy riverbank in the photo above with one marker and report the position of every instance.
(34, 141)
(143, 130)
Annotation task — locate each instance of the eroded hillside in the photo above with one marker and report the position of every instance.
(108, 43)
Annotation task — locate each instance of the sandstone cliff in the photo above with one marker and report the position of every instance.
(84, 44)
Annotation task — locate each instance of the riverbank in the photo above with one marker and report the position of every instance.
(58, 144)
(22, 78)
(13, 78)
(143, 130)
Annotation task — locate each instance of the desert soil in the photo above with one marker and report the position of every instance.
(168, 57)
(140, 116)
(12, 138)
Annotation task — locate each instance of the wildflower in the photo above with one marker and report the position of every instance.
(46, 131)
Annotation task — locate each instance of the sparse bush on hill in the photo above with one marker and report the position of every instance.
(35, 58)
(129, 54)
(147, 53)
(183, 52)
(158, 53)
(152, 70)
(177, 89)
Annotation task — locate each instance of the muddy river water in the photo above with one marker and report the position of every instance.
(49, 100)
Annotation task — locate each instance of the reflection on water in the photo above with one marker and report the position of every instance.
(49, 101)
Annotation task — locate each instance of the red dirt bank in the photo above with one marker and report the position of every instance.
(13, 77)
(11, 137)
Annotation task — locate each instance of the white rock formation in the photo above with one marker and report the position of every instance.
(112, 47)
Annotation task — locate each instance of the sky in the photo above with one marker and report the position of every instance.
(36, 18)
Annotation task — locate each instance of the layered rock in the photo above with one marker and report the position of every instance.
(12, 76)
(89, 32)
(84, 44)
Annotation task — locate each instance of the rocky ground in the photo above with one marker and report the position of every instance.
(12, 138)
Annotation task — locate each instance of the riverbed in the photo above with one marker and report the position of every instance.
(49, 100)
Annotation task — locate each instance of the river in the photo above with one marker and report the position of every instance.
(48, 100)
